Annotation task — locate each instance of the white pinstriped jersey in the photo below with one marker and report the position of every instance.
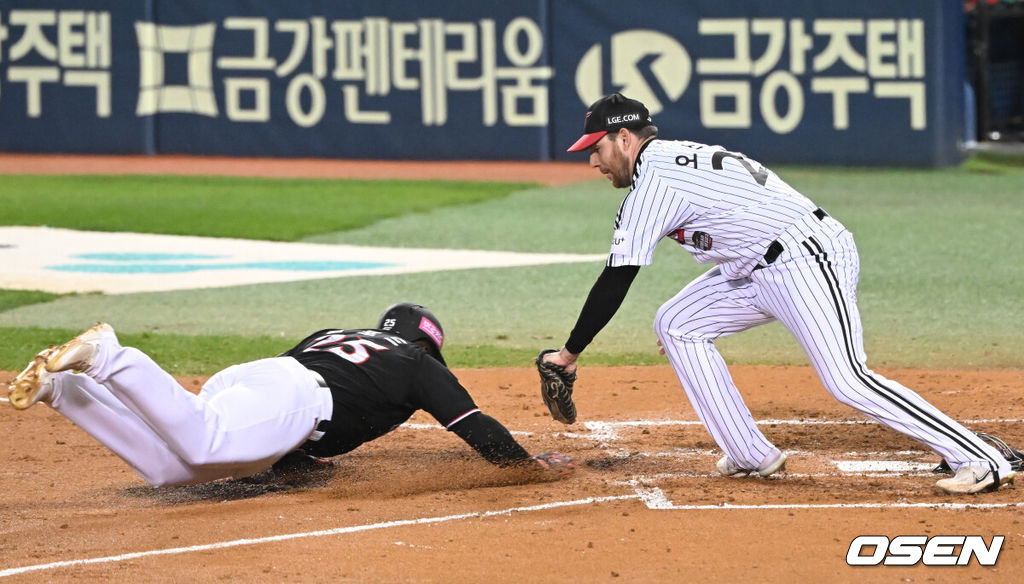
(721, 206)
(727, 209)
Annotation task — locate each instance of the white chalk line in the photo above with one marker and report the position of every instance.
(655, 498)
(936, 505)
(601, 431)
(607, 431)
(652, 497)
(320, 533)
(880, 463)
(436, 427)
(678, 452)
(792, 475)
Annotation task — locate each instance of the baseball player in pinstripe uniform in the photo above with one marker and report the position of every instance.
(778, 257)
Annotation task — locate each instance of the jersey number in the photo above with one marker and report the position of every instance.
(759, 173)
(354, 350)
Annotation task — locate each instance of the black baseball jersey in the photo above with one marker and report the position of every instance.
(378, 380)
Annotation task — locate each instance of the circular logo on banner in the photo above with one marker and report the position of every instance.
(634, 53)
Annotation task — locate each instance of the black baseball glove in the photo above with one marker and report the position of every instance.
(1012, 455)
(556, 389)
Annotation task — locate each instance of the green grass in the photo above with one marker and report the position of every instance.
(182, 354)
(941, 266)
(995, 162)
(281, 210)
(206, 354)
(13, 298)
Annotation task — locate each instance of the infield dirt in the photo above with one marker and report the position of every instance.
(67, 498)
(419, 506)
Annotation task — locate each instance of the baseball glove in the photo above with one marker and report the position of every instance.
(556, 389)
(1012, 455)
(554, 463)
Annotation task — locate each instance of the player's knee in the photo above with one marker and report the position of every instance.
(662, 324)
(845, 393)
(670, 328)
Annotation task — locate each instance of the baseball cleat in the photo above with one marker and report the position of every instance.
(974, 478)
(80, 352)
(34, 384)
(773, 464)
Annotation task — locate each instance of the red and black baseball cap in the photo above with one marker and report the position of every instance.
(608, 114)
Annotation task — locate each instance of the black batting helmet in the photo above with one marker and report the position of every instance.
(413, 323)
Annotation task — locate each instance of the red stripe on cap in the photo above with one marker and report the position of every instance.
(586, 141)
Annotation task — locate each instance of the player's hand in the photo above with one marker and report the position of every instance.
(563, 358)
(554, 464)
(661, 348)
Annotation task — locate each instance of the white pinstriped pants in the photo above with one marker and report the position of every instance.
(244, 419)
(812, 290)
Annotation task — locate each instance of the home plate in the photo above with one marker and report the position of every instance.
(65, 260)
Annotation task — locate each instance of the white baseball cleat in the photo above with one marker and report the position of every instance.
(34, 384)
(80, 352)
(974, 478)
(773, 464)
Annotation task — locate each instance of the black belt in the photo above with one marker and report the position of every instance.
(775, 249)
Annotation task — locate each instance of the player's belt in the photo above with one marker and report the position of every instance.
(775, 249)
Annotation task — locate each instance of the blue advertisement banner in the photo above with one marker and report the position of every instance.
(68, 77)
(396, 79)
(873, 83)
(794, 81)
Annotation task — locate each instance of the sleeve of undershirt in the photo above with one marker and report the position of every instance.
(490, 439)
(602, 303)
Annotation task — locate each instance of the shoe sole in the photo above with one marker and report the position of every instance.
(778, 466)
(1008, 479)
(26, 385)
(60, 360)
(739, 474)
